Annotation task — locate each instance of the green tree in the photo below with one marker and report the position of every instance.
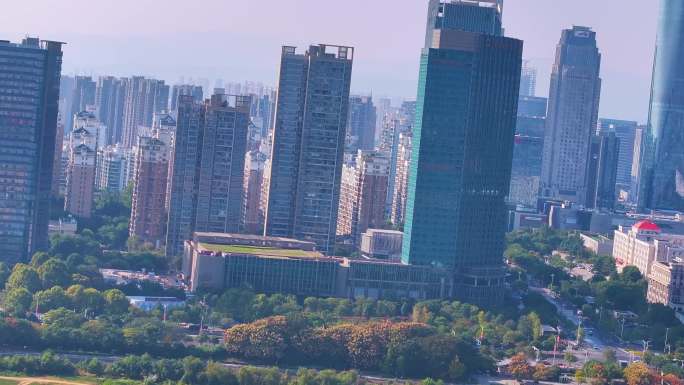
(23, 276)
(51, 299)
(116, 301)
(39, 258)
(217, 374)
(18, 301)
(54, 273)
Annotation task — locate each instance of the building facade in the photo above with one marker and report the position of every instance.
(308, 144)
(253, 215)
(361, 122)
(666, 285)
(662, 164)
(222, 164)
(363, 195)
(403, 165)
(207, 176)
(643, 244)
(456, 214)
(148, 211)
(625, 131)
(144, 97)
(112, 163)
(572, 116)
(109, 100)
(29, 90)
(527, 151)
(82, 167)
(608, 166)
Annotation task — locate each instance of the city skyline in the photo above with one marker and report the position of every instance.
(218, 38)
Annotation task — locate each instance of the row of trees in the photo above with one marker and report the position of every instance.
(131, 370)
(403, 349)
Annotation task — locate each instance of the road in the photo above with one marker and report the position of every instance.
(595, 344)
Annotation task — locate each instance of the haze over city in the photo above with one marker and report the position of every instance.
(358, 192)
(240, 40)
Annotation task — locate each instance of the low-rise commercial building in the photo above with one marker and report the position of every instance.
(215, 261)
(643, 244)
(382, 244)
(666, 284)
(598, 244)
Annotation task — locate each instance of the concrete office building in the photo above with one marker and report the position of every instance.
(280, 265)
(456, 214)
(572, 116)
(82, 166)
(308, 144)
(29, 84)
(381, 244)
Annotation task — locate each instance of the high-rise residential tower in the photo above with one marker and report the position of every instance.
(400, 191)
(148, 210)
(361, 123)
(81, 169)
(109, 100)
(184, 173)
(207, 175)
(662, 164)
(29, 86)
(112, 162)
(363, 195)
(253, 215)
(144, 97)
(462, 147)
(572, 115)
(222, 164)
(185, 89)
(82, 99)
(308, 144)
(528, 79)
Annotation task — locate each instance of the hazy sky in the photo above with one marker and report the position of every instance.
(239, 40)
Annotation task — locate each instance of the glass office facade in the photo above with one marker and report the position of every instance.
(461, 167)
(29, 96)
(662, 167)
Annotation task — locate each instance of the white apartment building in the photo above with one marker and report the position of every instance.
(643, 244)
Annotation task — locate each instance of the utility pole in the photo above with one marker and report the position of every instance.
(667, 346)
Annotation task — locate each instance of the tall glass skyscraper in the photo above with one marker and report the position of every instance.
(308, 144)
(462, 147)
(29, 91)
(571, 120)
(662, 161)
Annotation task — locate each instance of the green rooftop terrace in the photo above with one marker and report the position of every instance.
(255, 250)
